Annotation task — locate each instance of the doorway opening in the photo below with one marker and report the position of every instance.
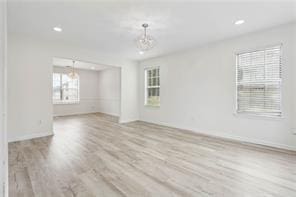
(81, 87)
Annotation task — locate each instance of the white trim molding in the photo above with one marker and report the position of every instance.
(121, 121)
(221, 135)
(30, 136)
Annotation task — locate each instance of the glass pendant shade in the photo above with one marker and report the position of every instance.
(145, 42)
(73, 75)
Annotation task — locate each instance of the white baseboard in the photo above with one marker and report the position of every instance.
(30, 136)
(127, 120)
(74, 113)
(250, 140)
(83, 113)
(111, 114)
(231, 137)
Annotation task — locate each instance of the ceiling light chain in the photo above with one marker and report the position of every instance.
(145, 25)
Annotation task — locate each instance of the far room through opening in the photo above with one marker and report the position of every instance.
(80, 87)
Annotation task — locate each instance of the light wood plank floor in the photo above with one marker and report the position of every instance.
(92, 155)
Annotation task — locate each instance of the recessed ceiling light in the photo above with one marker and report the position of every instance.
(141, 52)
(239, 22)
(58, 29)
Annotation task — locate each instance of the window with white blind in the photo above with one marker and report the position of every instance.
(152, 87)
(65, 89)
(258, 83)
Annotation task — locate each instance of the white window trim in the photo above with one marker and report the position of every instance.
(65, 102)
(253, 115)
(68, 102)
(146, 88)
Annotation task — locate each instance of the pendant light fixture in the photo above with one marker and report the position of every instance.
(73, 74)
(145, 42)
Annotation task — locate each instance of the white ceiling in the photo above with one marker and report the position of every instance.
(112, 27)
(61, 62)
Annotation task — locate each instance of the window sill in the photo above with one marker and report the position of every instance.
(258, 116)
(66, 103)
(152, 106)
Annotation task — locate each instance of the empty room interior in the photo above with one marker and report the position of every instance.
(148, 98)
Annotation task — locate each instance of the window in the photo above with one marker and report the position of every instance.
(259, 80)
(65, 89)
(152, 87)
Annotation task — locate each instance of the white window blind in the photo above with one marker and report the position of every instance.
(152, 86)
(65, 89)
(259, 82)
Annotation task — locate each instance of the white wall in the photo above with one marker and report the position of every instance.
(294, 78)
(30, 106)
(99, 92)
(3, 140)
(198, 90)
(109, 91)
(129, 94)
